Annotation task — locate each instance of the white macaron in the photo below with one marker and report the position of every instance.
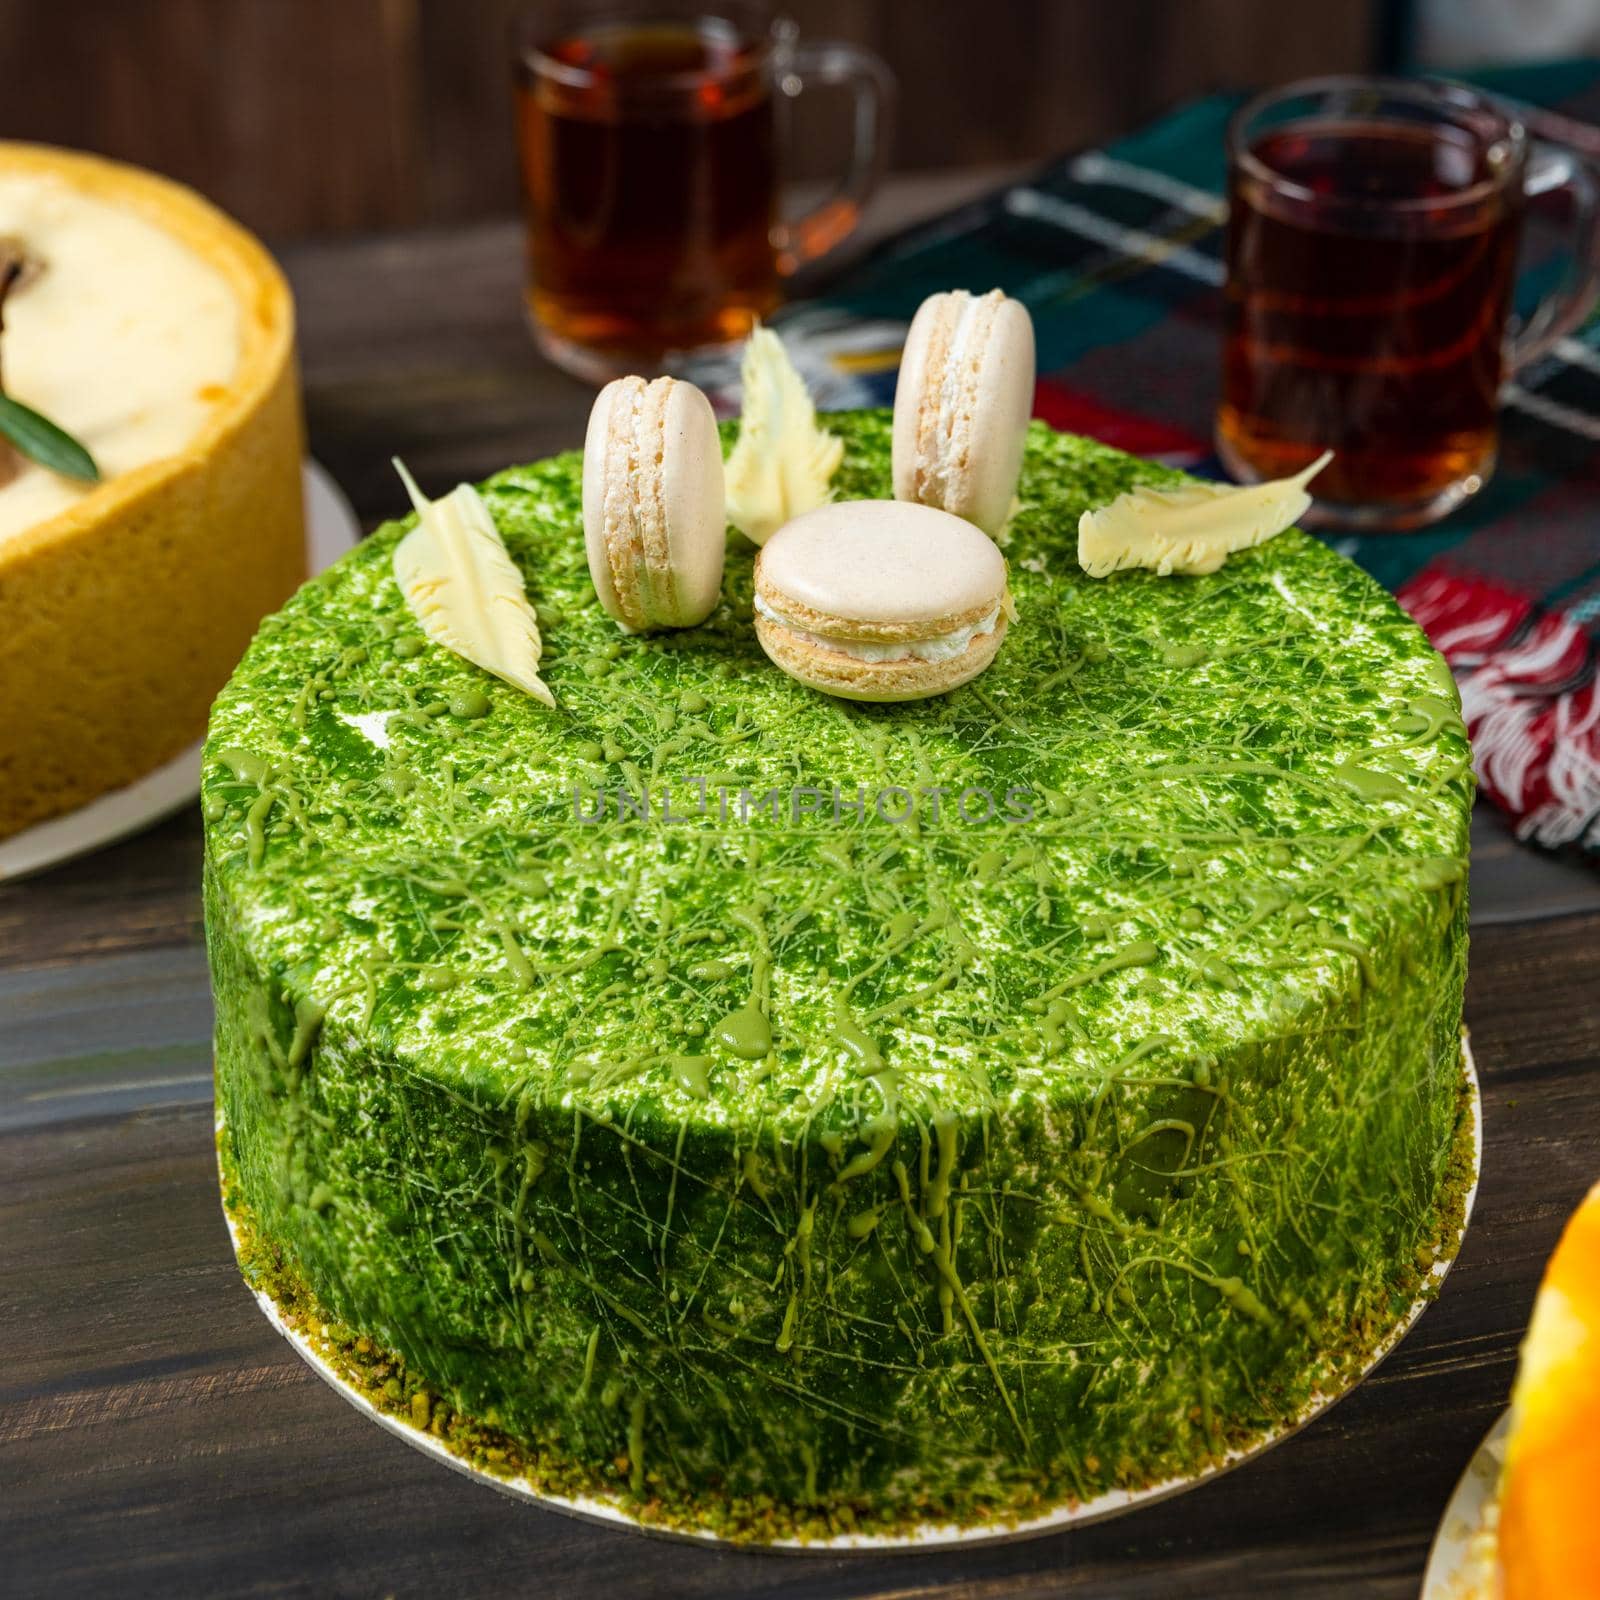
(961, 405)
(880, 600)
(653, 517)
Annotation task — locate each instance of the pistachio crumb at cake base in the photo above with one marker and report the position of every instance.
(636, 1076)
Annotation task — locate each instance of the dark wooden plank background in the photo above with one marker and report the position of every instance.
(315, 116)
(158, 1439)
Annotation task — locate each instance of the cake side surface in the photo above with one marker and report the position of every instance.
(873, 1167)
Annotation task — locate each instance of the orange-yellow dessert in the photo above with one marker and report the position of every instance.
(161, 335)
(1549, 1543)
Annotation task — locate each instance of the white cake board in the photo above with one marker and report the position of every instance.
(1454, 1569)
(930, 1536)
(331, 530)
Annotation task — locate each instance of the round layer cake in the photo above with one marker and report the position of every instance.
(161, 335)
(796, 1114)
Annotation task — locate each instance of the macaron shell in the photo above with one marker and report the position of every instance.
(995, 401)
(847, 678)
(692, 496)
(874, 570)
(1001, 408)
(595, 445)
(929, 326)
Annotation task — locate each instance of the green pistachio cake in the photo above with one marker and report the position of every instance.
(794, 1115)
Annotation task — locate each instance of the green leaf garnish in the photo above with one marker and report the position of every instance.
(39, 439)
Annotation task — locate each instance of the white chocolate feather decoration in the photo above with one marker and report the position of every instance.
(783, 462)
(463, 587)
(1192, 527)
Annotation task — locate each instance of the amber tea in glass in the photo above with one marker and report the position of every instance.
(650, 154)
(1371, 255)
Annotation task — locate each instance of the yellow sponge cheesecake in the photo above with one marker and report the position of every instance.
(160, 335)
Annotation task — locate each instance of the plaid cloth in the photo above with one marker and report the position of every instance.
(1117, 253)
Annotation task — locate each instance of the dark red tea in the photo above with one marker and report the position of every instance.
(650, 171)
(1362, 313)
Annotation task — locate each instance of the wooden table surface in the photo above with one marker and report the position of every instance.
(157, 1438)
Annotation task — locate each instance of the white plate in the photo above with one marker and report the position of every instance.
(930, 1536)
(1453, 1563)
(331, 529)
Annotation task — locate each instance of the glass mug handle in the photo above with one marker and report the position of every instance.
(1552, 168)
(871, 84)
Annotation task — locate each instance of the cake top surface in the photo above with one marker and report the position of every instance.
(124, 334)
(1173, 814)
